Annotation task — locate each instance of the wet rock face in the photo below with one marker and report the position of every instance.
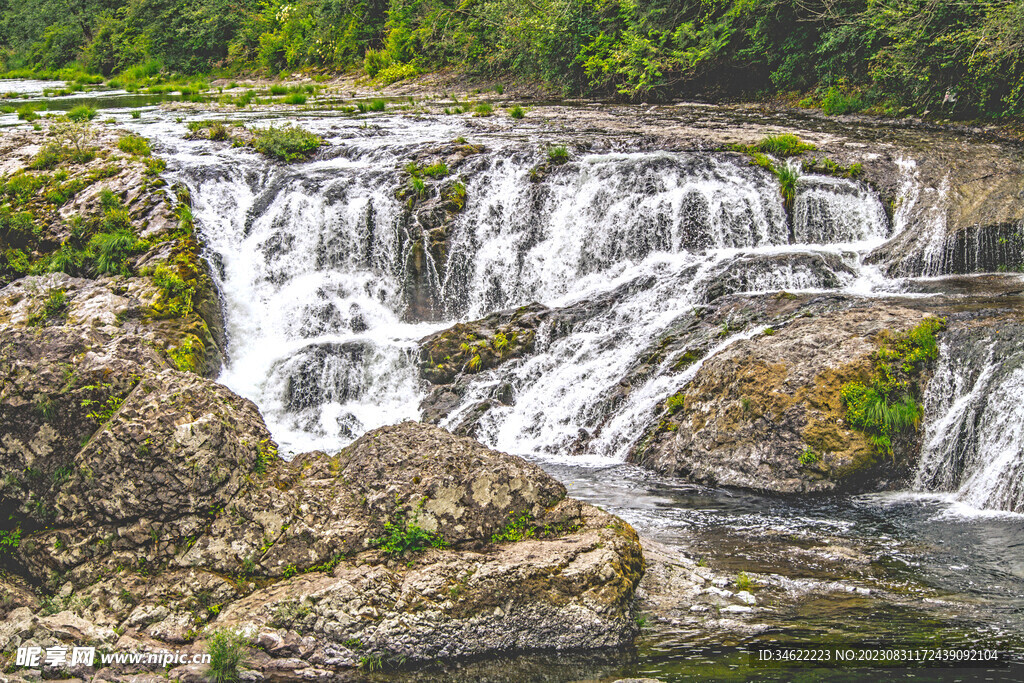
(765, 272)
(428, 216)
(449, 359)
(961, 208)
(753, 409)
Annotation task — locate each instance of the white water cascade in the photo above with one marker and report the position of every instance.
(974, 444)
(312, 259)
(310, 279)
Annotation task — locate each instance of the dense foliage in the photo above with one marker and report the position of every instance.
(960, 57)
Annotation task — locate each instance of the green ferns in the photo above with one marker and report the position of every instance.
(888, 405)
(403, 535)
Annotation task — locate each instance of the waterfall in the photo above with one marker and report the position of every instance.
(662, 233)
(594, 218)
(312, 261)
(310, 270)
(974, 440)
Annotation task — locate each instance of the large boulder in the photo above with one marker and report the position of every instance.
(177, 520)
(752, 410)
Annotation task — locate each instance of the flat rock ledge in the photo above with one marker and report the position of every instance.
(210, 531)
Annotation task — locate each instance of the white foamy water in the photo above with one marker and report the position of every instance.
(974, 443)
(312, 262)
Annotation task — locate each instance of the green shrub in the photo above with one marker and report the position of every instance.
(403, 535)
(558, 154)
(227, 650)
(9, 541)
(394, 72)
(419, 188)
(377, 105)
(808, 457)
(70, 141)
(517, 112)
(483, 109)
(438, 170)
(295, 98)
(135, 145)
(136, 114)
(155, 167)
(55, 306)
(82, 113)
(287, 143)
(457, 195)
(374, 61)
(27, 113)
(785, 145)
(829, 167)
(278, 90)
(67, 260)
(888, 405)
(188, 356)
(787, 177)
(110, 251)
(836, 102)
(175, 293)
(14, 263)
(675, 403)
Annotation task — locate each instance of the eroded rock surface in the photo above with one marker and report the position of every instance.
(752, 409)
(177, 520)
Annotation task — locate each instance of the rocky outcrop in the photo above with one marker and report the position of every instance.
(449, 359)
(144, 506)
(176, 519)
(767, 412)
(433, 196)
(962, 210)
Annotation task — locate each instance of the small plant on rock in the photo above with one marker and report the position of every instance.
(403, 535)
(135, 145)
(785, 145)
(888, 404)
(287, 143)
(518, 528)
(808, 457)
(558, 154)
(438, 170)
(227, 650)
(82, 112)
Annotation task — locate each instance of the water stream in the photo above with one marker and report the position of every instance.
(312, 264)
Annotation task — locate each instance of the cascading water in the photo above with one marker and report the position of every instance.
(312, 263)
(974, 444)
(312, 269)
(311, 276)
